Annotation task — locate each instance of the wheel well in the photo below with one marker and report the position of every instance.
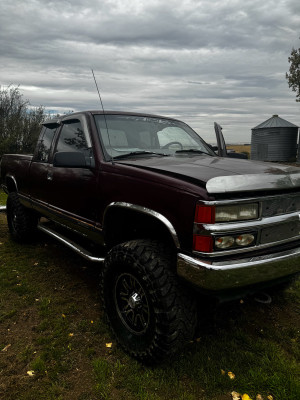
(11, 184)
(121, 225)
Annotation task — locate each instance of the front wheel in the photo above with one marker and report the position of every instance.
(21, 221)
(149, 312)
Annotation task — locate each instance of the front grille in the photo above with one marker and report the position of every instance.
(280, 205)
(277, 233)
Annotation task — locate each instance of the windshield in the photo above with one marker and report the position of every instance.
(147, 136)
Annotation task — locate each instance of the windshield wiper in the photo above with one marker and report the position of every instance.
(137, 153)
(192, 151)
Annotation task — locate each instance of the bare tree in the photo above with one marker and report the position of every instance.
(19, 123)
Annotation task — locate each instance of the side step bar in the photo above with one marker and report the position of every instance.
(2, 209)
(70, 243)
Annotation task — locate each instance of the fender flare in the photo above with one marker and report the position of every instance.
(7, 185)
(149, 212)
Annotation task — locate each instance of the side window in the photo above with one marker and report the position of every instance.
(71, 137)
(44, 144)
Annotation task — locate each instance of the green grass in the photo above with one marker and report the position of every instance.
(2, 198)
(51, 323)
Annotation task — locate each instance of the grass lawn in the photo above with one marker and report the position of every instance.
(55, 344)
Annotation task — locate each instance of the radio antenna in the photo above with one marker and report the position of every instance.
(112, 159)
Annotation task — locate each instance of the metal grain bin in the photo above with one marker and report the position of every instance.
(274, 140)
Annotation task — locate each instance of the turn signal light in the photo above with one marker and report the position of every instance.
(203, 243)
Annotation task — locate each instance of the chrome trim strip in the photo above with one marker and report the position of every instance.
(72, 245)
(2, 209)
(150, 212)
(248, 199)
(288, 179)
(238, 273)
(228, 227)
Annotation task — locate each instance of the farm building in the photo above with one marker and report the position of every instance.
(274, 140)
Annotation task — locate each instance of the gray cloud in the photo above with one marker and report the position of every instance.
(200, 61)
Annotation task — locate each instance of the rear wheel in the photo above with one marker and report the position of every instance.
(21, 221)
(149, 312)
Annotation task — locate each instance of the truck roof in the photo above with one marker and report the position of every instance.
(56, 120)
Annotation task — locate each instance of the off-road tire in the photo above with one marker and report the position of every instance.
(149, 311)
(22, 222)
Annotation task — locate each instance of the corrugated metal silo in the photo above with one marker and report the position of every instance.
(274, 140)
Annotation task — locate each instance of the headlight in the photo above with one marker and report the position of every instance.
(235, 241)
(245, 239)
(240, 212)
(224, 242)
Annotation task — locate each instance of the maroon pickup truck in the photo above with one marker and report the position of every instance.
(166, 218)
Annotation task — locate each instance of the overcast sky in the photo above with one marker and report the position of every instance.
(199, 61)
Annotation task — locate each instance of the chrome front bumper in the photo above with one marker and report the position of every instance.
(238, 273)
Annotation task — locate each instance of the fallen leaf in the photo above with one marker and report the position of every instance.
(235, 396)
(222, 372)
(71, 334)
(63, 315)
(6, 347)
(259, 397)
(246, 397)
(109, 345)
(30, 373)
(231, 375)
(92, 322)
(270, 397)
(35, 264)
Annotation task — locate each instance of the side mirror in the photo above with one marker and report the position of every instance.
(74, 159)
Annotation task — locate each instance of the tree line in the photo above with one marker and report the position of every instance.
(19, 123)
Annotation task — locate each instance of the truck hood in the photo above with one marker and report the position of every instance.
(222, 175)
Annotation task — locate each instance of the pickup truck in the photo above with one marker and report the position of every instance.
(163, 215)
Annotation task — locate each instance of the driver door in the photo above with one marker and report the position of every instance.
(72, 190)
